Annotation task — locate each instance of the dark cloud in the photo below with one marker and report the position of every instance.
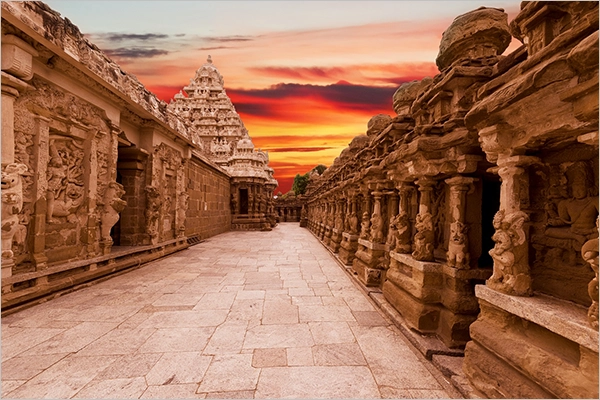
(296, 149)
(133, 36)
(216, 48)
(135, 52)
(228, 39)
(343, 96)
(180, 35)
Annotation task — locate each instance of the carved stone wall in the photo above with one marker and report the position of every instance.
(492, 243)
(80, 199)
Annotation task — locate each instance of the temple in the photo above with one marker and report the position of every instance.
(469, 215)
(216, 128)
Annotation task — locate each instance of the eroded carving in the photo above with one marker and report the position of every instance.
(458, 246)
(575, 216)
(154, 204)
(12, 204)
(113, 205)
(423, 244)
(511, 269)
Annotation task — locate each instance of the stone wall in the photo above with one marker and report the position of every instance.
(95, 170)
(209, 190)
(474, 208)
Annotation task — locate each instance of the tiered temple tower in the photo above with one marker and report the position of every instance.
(217, 129)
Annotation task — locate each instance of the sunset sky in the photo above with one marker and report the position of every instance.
(305, 76)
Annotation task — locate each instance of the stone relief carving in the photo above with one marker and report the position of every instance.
(589, 252)
(353, 223)
(113, 205)
(153, 206)
(376, 234)
(364, 226)
(12, 204)
(458, 246)
(423, 244)
(184, 202)
(511, 272)
(65, 192)
(402, 233)
(574, 217)
(339, 221)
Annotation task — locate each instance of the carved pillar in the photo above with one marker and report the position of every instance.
(458, 245)
(423, 245)
(510, 254)
(376, 234)
(589, 252)
(392, 212)
(403, 229)
(37, 226)
(17, 60)
(365, 224)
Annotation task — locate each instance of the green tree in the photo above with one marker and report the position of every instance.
(320, 169)
(300, 182)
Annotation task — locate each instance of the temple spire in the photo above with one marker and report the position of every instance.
(209, 59)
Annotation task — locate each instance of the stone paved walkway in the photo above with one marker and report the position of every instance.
(242, 315)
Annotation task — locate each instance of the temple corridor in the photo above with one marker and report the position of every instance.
(240, 315)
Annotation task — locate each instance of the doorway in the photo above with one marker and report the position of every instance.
(243, 201)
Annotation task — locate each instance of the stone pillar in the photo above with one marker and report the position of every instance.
(510, 254)
(423, 245)
(365, 223)
(458, 245)
(17, 68)
(403, 229)
(37, 225)
(376, 233)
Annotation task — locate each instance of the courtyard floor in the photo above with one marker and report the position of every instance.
(241, 315)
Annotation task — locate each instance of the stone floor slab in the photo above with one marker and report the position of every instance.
(186, 391)
(271, 336)
(230, 372)
(123, 388)
(317, 383)
(178, 368)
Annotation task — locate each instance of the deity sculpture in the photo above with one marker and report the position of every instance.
(56, 174)
(511, 272)
(153, 206)
(424, 238)
(458, 246)
(402, 233)
(589, 252)
(353, 223)
(12, 203)
(364, 226)
(113, 205)
(339, 221)
(575, 216)
(376, 228)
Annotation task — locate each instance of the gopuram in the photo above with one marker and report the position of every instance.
(216, 128)
(98, 175)
(473, 210)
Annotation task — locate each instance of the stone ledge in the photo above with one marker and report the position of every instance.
(423, 266)
(561, 317)
(350, 237)
(431, 266)
(117, 253)
(372, 246)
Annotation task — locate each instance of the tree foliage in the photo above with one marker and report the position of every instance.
(300, 183)
(320, 169)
